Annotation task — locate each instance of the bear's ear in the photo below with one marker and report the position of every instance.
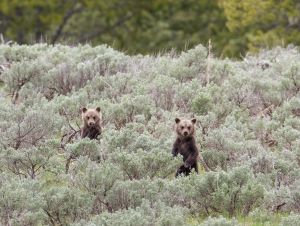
(83, 110)
(98, 109)
(177, 120)
(194, 120)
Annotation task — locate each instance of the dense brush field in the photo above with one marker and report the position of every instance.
(248, 132)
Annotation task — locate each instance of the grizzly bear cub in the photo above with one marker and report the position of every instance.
(186, 146)
(91, 123)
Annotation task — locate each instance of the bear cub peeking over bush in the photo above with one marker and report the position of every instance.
(91, 123)
(186, 146)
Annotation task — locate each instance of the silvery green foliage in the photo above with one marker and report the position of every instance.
(84, 147)
(230, 193)
(28, 124)
(219, 221)
(130, 194)
(291, 220)
(248, 130)
(261, 216)
(97, 180)
(27, 142)
(296, 195)
(64, 205)
(146, 214)
(21, 202)
(141, 164)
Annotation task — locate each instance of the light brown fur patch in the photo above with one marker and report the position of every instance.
(185, 127)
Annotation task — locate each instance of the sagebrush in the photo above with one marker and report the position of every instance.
(248, 130)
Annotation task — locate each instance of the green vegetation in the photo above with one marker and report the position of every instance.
(248, 130)
(142, 26)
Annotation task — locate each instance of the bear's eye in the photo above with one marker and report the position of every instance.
(182, 127)
(94, 118)
(189, 127)
(87, 117)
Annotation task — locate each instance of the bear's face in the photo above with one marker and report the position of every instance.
(91, 117)
(185, 127)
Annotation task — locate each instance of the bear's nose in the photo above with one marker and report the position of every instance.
(185, 133)
(91, 123)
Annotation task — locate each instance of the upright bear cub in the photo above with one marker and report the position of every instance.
(91, 123)
(186, 146)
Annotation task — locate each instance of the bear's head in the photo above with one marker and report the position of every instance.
(185, 127)
(91, 117)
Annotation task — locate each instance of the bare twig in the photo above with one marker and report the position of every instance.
(208, 62)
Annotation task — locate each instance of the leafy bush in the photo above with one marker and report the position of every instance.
(228, 193)
(21, 202)
(293, 219)
(146, 214)
(219, 221)
(247, 131)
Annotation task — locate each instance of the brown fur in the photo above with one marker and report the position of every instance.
(186, 146)
(91, 119)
